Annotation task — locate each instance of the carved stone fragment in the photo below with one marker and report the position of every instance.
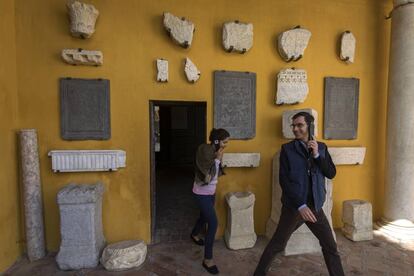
(82, 18)
(241, 160)
(347, 155)
(292, 86)
(357, 219)
(348, 42)
(82, 57)
(162, 67)
(179, 29)
(191, 71)
(237, 36)
(292, 43)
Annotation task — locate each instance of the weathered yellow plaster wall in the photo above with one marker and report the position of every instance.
(131, 36)
(10, 237)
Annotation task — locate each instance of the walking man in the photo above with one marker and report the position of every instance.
(304, 164)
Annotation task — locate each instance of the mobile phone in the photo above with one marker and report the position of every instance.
(311, 131)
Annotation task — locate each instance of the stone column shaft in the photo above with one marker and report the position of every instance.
(32, 195)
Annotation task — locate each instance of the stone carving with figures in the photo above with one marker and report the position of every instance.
(82, 18)
(237, 36)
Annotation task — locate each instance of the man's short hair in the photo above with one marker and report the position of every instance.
(307, 116)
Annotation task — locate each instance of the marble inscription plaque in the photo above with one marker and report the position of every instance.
(85, 111)
(235, 103)
(341, 108)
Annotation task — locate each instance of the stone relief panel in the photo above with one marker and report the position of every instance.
(237, 36)
(179, 29)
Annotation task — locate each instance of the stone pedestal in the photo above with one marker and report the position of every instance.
(398, 219)
(239, 233)
(82, 238)
(124, 255)
(302, 240)
(357, 219)
(32, 195)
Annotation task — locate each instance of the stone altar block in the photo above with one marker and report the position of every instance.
(239, 233)
(302, 240)
(235, 103)
(357, 219)
(82, 238)
(124, 255)
(341, 108)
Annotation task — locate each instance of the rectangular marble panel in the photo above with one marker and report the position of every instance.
(235, 103)
(348, 155)
(85, 109)
(341, 108)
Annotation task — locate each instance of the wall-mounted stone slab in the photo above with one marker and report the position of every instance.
(82, 18)
(292, 43)
(179, 29)
(239, 233)
(82, 238)
(85, 109)
(302, 240)
(357, 219)
(341, 108)
(237, 36)
(124, 255)
(292, 86)
(87, 160)
(347, 155)
(235, 103)
(191, 71)
(82, 57)
(347, 51)
(287, 121)
(162, 70)
(249, 160)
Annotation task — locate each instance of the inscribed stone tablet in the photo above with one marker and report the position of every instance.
(85, 112)
(341, 108)
(235, 103)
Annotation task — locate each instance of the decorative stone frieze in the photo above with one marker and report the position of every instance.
(82, 57)
(87, 160)
(292, 86)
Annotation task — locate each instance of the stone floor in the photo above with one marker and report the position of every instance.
(176, 209)
(377, 257)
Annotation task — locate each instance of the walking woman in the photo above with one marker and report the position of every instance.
(207, 170)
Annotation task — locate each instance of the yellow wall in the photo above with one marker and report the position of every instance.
(131, 36)
(10, 237)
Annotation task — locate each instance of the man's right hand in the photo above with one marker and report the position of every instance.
(307, 214)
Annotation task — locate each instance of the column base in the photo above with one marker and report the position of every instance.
(402, 229)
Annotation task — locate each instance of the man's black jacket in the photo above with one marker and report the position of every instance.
(294, 178)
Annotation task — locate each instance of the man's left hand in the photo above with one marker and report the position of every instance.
(313, 145)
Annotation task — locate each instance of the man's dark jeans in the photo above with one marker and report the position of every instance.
(290, 220)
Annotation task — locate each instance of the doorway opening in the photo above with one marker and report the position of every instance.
(176, 129)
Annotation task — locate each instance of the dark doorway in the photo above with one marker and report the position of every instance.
(177, 128)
